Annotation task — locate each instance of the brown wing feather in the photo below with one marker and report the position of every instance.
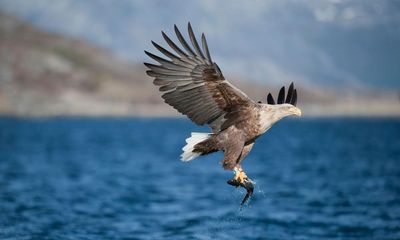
(195, 86)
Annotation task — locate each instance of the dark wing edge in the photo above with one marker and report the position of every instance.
(290, 98)
(192, 83)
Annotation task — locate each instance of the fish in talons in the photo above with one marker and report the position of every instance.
(241, 180)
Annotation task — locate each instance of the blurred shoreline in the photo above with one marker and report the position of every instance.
(44, 74)
(180, 116)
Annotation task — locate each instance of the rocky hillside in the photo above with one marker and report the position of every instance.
(45, 74)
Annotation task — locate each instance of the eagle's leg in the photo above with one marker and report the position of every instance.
(240, 175)
(241, 179)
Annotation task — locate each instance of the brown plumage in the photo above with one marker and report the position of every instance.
(194, 85)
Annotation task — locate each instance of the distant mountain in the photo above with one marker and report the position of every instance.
(46, 74)
(327, 44)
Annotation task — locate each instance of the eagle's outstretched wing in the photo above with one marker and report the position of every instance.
(194, 85)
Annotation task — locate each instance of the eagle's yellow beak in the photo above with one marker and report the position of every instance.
(296, 111)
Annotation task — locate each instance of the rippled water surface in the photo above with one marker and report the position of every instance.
(122, 179)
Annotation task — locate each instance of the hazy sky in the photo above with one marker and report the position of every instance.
(327, 43)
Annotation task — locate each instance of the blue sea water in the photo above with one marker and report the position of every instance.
(110, 178)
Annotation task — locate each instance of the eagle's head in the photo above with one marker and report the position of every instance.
(284, 110)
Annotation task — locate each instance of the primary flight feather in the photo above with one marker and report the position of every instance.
(194, 85)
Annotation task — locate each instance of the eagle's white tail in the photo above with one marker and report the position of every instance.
(196, 138)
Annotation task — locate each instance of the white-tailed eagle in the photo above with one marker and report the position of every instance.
(194, 85)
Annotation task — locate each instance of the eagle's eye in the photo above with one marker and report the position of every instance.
(259, 102)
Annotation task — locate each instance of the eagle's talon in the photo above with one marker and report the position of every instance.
(240, 175)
